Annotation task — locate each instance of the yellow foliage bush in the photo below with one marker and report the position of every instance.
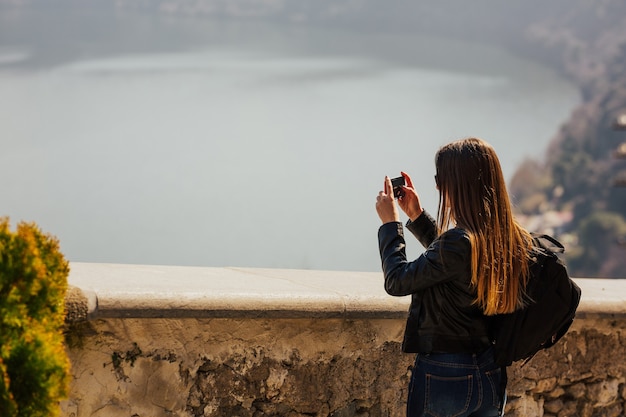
(34, 366)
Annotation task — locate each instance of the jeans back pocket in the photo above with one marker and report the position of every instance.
(448, 396)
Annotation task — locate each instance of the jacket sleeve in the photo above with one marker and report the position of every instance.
(423, 228)
(444, 260)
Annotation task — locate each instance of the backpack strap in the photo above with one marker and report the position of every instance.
(555, 247)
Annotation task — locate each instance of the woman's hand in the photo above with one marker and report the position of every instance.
(385, 204)
(409, 202)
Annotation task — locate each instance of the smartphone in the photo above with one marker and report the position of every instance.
(397, 184)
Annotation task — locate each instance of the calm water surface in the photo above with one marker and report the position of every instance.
(260, 145)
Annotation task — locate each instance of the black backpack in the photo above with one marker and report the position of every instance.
(551, 306)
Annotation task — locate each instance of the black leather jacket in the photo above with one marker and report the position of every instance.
(442, 317)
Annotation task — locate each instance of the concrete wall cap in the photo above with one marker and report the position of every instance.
(123, 290)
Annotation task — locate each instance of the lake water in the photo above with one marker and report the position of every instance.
(252, 145)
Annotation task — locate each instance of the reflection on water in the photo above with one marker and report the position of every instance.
(245, 145)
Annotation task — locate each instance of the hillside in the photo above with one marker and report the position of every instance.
(581, 175)
(578, 180)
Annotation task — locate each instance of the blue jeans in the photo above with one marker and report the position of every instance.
(456, 385)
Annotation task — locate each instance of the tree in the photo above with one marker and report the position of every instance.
(599, 234)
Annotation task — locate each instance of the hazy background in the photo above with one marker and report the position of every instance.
(218, 142)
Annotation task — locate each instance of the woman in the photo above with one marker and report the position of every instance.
(475, 265)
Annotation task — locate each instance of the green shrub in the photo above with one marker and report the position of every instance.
(34, 367)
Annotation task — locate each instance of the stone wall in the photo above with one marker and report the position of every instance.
(312, 367)
(583, 375)
(151, 363)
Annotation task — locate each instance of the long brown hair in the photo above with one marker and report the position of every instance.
(473, 194)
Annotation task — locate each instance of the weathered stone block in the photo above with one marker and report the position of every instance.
(553, 407)
(603, 393)
(578, 390)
